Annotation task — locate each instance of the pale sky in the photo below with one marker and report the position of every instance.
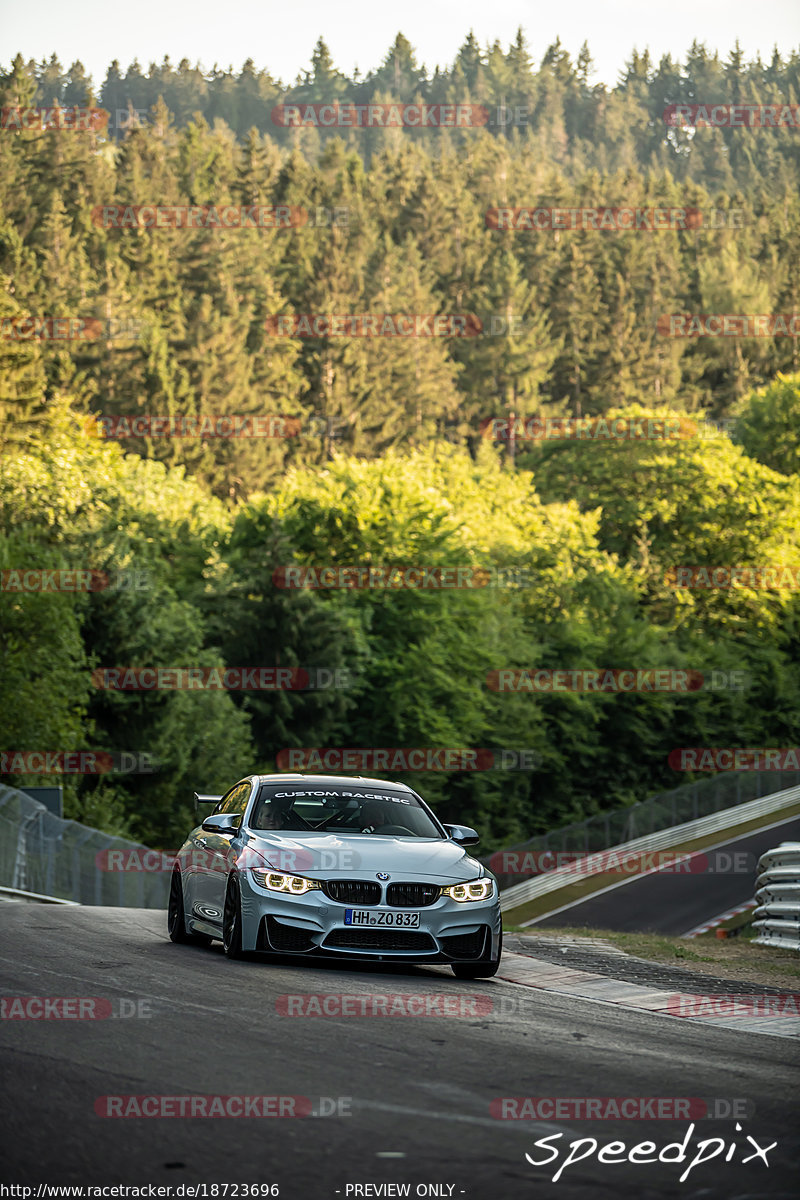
(281, 37)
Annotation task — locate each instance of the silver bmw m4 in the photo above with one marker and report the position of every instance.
(335, 866)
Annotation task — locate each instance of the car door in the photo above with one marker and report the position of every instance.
(214, 858)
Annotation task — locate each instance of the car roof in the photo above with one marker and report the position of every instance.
(339, 780)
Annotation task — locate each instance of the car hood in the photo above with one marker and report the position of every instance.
(321, 856)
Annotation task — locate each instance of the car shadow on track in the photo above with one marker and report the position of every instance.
(368, 969)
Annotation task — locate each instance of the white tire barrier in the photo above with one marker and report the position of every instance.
(777, 916)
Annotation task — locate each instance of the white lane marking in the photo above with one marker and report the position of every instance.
(406, 1110)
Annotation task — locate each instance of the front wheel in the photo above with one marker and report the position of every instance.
(176, 922)
(483, 969)
(232, 920)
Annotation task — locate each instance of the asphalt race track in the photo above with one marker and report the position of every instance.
(418, 1088)
(672, 901)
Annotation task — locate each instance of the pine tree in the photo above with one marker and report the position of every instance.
(23, 388)
(506, 367)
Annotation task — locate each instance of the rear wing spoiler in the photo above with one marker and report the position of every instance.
(204, 802)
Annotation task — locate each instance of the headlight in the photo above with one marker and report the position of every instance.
(278, 881)
(479, 889)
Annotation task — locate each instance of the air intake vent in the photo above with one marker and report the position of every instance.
(380, 939)
(288, 937)
(466, 945)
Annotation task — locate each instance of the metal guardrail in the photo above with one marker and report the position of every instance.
(602, 831)
(665, 839)
(44, 855)
(777, 916)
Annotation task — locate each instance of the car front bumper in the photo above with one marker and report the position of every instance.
(314, 924)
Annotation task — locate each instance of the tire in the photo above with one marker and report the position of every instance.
(176, 923)
(482, 969)
(232, 920)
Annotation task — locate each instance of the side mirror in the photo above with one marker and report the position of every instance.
(462, 834)
(222, 823)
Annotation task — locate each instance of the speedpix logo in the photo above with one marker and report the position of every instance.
(613, 1153)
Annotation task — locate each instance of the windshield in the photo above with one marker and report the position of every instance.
(367, 811)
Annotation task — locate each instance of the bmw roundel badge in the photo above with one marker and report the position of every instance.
(382, 875)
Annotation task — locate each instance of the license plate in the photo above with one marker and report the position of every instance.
(368, 916)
